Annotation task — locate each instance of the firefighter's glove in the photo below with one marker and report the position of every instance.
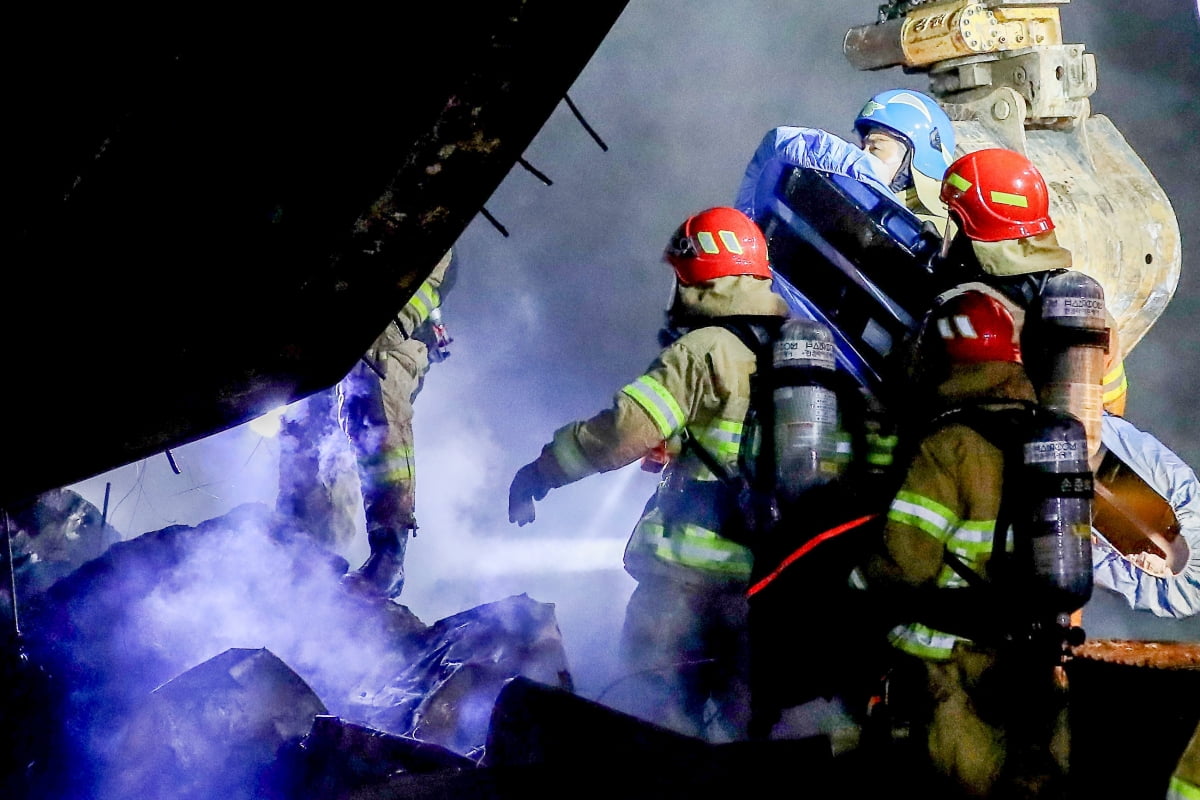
(528, 485)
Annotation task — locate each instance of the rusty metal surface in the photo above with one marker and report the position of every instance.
(1134, 653)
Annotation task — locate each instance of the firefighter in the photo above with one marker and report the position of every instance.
(374, 409)
(956, 696)
(363, 425)
(684, 640)
(910, 133)
(906, 142)
(1002, 234)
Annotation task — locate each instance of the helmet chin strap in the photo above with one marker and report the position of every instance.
(904, 175)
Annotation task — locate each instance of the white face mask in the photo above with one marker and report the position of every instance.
(888, 149)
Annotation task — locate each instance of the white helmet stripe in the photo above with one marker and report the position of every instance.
(909, 100)
(965, 328)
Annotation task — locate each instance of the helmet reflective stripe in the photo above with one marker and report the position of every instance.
(1018, 200)
(654, 398)
(962, 325)
(708, 242)
(958, 181)
(730, 240)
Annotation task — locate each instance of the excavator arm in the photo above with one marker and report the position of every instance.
(1006, 77)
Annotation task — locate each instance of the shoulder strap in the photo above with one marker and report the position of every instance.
(757, 332)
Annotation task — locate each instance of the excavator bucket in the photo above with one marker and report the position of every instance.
(1005, 78)
(1107, 207)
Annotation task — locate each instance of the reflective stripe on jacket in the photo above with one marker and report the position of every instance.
(698, 386)
(948, 501)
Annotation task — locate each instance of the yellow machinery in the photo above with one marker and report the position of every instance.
(1004, 76)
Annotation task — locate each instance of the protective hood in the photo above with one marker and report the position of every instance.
(727, 296)
(1020, 256)
(988, 380)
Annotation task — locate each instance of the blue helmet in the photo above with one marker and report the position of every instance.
(920, 120)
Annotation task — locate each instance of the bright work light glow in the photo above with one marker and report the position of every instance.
(268, 424)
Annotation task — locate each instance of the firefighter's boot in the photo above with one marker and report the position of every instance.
(383, 571)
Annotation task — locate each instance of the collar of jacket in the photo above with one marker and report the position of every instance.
(989, 380)
(728, 296)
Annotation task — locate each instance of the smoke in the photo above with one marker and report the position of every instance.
(550, 321)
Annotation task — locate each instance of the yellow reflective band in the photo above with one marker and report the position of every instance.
(700, 548)
(570, 458)
(1114, 393)
(722, 436)
(1004, 198)
(707, 243)
(656, 401)
(923, 642)
(909, 508)
(730, 240)
(1180, 789)
(425, 300)
(391, 466)
(1116, 372)
(958, 181)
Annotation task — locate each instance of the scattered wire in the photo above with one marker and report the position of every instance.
(584, 123)
(537, 173)
(487, 215)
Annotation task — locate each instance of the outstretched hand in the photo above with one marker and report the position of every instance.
(527, 486)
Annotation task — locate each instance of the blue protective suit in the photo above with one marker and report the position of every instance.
(788, 146)
(1177, 595)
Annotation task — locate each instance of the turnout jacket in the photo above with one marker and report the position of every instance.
(698, 387)
(949, 500)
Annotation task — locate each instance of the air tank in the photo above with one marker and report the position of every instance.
(1053, 526)
(806, 430)
(1072, 341)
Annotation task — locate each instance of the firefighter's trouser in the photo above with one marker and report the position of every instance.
(991, 724)
(685, 658)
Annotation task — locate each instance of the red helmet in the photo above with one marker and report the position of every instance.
(997, 194)
(718, 242)
(974, 327)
